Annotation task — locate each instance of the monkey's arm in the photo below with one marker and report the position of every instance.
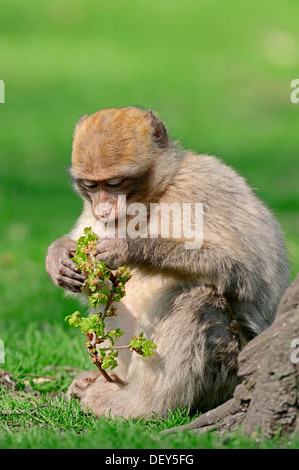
(209, 264)
(61, 269)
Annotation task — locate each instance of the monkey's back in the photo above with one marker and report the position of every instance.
(237, 224)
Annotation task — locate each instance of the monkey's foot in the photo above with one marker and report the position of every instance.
(80, 384)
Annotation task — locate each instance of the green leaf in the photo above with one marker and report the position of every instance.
(143, 346)
(74, 319)
(96, 272)
(113, 335)
(109, 361)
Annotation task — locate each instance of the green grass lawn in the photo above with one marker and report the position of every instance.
(52, 422)
(218, 73)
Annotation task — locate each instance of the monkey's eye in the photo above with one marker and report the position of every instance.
(89, 184)
(115, 182)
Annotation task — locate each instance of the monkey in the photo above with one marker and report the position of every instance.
(199, 305)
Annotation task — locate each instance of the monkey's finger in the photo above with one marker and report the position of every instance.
(75, 290)
(68, 283)
(71, 270)
(110, 262)
(104, 257)
(67, 272)
(74, 392)
(70, 264)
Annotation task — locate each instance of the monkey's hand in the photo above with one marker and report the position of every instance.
(61, 269)
(113, 252)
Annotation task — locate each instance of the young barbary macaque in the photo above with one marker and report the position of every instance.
(199, 303)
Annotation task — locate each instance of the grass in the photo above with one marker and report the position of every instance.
(58, 423)
(218, 73)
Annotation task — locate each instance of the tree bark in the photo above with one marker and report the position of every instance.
(267, 398)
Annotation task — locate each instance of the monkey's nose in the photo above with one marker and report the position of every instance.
(103, 210)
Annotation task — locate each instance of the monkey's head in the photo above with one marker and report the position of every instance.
(119, 151)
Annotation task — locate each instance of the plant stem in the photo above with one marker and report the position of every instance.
(103, 372)
(97, 363)
(114, 281)
(95, 358)
(115, 378)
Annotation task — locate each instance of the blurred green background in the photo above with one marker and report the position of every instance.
(217, 72)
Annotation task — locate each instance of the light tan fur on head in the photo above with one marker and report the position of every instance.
(109, 138)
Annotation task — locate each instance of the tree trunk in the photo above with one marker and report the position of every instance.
(267, 398)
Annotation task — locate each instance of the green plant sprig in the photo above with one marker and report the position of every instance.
(105, 288)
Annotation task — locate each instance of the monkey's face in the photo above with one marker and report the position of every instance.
(113, 156)
(109, 198)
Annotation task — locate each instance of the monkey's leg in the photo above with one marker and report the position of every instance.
(195, 364)
(80, 383)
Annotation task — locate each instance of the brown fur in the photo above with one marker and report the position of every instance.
(95, 150)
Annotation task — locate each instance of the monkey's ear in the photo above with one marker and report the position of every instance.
(82, 118)
(159, 131)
